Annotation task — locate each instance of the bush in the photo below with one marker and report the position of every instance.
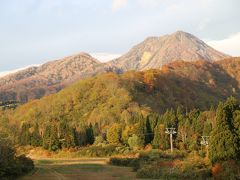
(226, 170)
(157, 172)
(25, 163)
(169, 167)
(171, 172)
(126, 162)
(99, 141)
(135, 142)
(11, 168)
(195, 167)
(131, 162)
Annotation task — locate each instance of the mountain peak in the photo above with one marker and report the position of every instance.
(84, 54)
(155, 52)
(180, 32)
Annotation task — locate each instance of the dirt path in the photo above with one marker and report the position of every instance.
(85, 169)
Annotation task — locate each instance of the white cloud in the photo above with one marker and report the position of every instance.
(119, 4)
(230, 45)
(4, 73)
(105, 57)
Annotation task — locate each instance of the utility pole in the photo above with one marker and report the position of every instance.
(171, 131)
(204, 142)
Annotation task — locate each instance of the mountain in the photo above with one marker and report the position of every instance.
(111, 97)
(35, 82)
(155, 52)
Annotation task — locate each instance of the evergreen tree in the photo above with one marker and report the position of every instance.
(169, 119)
(193, 116)
(54, 143)
(141, 131)
(35, 138)
(149, 132)
(46, 137)
(161, 139)
(25, 137)
(224, 142)
(184, 134)
(90, 134)
(67, 135)
(237, 122)
(80, 137)
(207, 129)
(126, 133)
(114, 134)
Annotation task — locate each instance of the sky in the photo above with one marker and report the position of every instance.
(36, 31)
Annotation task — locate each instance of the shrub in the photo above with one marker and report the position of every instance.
(157, 172)
(226, 170)
(99, 141)
(127, 162)
(12, 166)
(143, 156)
(166, 166)
(135, 142)
(25, 163)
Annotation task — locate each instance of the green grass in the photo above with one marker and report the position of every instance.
(43, 162)
(89, 168)
(68, 169)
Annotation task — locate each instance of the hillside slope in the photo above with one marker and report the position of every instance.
(155, 52)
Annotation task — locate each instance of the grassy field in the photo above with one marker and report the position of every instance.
(89, 168)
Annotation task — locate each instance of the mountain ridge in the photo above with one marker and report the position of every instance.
(34, 82)
(152, 53)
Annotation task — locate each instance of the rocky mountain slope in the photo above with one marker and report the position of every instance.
(155, 52)
(35, 82)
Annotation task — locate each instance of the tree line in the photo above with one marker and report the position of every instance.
(221, 124)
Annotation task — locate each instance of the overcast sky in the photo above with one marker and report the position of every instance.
(36, 31)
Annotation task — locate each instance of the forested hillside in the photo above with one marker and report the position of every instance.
(93, 105)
